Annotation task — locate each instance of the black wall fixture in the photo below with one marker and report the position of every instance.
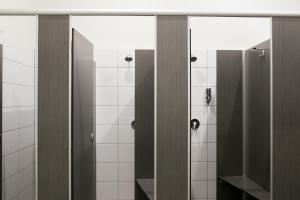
(195, 124)
(128, 58)
(194, 59)
(208, 96)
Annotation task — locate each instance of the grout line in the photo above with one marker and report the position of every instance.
(11, 153)
(118, 122)
(17, 84)
(17, 129)
(19, 107)
(18, 62)
(18, 172)
(207, 127)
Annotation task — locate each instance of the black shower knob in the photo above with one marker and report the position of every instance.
(195, 124)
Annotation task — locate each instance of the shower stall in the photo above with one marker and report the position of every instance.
(166, 107)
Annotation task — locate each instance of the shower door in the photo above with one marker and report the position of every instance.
(83, 119)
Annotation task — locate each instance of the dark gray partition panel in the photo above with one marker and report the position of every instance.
(53, 107)
(144, 119)
(229, 121)
(257, 86)
(172, 90)
(229, 113)
(286, 106)
(83, 119)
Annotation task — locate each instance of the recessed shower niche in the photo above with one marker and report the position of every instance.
(230, 96)
(124, 57)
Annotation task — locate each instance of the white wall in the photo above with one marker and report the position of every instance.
(117, 32)
(187, 5)
(228, 32)
(203, 152)
(18, 36)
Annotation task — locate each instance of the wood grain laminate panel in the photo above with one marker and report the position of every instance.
(286, 106)
(144, 116)
(53, 107)
(172, 108)
(257, 85)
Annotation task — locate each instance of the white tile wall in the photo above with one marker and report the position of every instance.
(114, 114)
(18, 106)
(203, 153)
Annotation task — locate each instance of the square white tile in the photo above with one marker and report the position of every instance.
(107, 115)
(200, 113)
(17, 95)
(212, 152)
(107, 171)
(211, 77)
(16, 73)
(199, 76)
(26, 137)
(199, 135)
(126, 134)
(211, 116)
(107, 134)
(198, 171)
(198, 96)
(11, 118)
(106, 76)
(126, 114)
(199, 189)
(126, 152)
(201, 58)
(26, 116)
(212, 170)
(106, 96)
(126, 95)
(211, 189)
(10, 142)
(107, 152)
(107, 190)
(212, 58)
(212, 133)
(126, 77)
(106, 57)
(126, 190)
(126, 171)
(199, 152)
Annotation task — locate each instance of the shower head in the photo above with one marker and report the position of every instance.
(261, 51)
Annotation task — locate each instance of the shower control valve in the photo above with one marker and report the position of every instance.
(195, 124)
